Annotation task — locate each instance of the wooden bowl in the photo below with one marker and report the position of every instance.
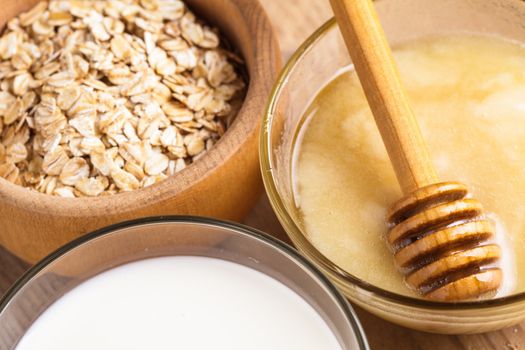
(224, 183)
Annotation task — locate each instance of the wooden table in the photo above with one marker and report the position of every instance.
(294, 20)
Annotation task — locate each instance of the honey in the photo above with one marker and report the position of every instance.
(468, 94)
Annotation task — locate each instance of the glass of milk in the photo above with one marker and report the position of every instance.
(176, 283)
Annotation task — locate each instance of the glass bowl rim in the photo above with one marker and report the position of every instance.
(290, 252)
(295, 233)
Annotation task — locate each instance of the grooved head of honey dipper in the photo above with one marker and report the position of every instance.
(442, 243)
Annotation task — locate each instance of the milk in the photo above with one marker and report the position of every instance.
(180, 303)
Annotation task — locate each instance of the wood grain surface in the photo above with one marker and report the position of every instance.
(294, 20)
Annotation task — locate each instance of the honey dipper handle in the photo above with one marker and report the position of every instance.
(367, 45)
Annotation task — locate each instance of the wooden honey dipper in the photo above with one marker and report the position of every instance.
(440, 237)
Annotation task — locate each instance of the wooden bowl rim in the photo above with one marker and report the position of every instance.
(22, 197)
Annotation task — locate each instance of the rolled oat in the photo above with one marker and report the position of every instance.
(99, 97)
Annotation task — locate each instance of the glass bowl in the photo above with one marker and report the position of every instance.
(171, 236)
(317, 62)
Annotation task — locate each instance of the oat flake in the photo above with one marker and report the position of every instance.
(100, 97)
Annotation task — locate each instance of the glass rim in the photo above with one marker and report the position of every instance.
(348, 311)
(295, 233)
